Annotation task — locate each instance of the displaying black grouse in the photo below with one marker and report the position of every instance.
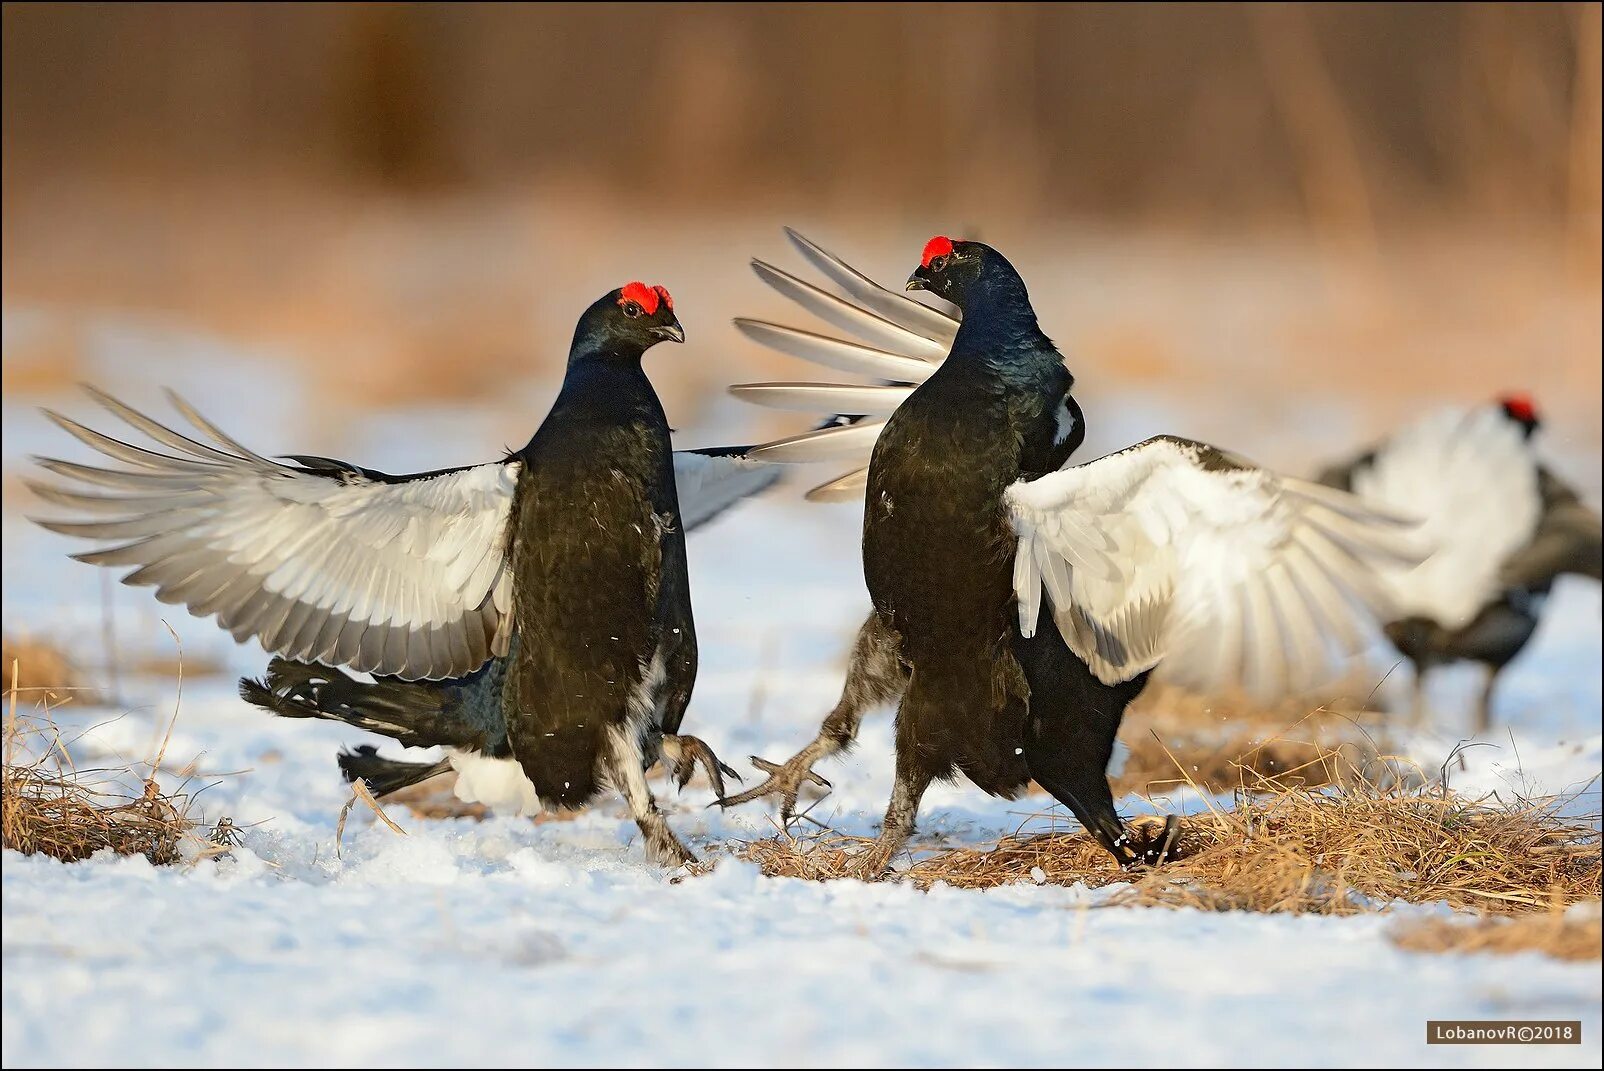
(531, 615)
(1170, 556)
(1503, 525)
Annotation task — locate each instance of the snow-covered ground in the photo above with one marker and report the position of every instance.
(509, 943)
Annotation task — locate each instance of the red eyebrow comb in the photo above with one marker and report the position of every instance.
(1520, 406)
(939, 246)
(646, 297)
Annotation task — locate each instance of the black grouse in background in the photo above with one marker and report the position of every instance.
(531, 615)
(1169, 557)
(1503, 525)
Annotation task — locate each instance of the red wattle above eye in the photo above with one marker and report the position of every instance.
(939, 246)
(641, 294)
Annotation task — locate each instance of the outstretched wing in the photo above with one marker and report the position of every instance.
(321, 561)
(711, 481)
(1473, 479)
(903, 341)
(1174, 552)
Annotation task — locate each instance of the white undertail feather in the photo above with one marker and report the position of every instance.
(837, 354)
(848, 488)
(857, 399)
(1472, 477)
(499, 784)
(850, 442)
(933, 324)
(846, 315)
(903, 342)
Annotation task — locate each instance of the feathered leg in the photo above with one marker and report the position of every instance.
(628, 775)
(906, 792)
(1484, 704)
(1418, 714)
(875, 676)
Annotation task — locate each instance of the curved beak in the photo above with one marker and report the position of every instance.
(671, 332)
(917, 282)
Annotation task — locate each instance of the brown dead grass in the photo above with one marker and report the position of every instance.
(1240, 761)
(1560, 934)
(50, 805)
(50, 674)
(172, 666)
(1224, 744)
(1285, 848)
(1167, 709)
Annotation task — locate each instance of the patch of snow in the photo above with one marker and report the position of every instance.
(511, 943)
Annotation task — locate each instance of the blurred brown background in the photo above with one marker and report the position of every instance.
(1380, 202)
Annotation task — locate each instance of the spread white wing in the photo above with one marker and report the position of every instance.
(322, 561)
(1473, 479)
(1173, 552)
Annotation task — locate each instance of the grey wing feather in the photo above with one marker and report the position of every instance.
(404, 577)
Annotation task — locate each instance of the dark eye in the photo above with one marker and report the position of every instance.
(632, 310)
(938, 264)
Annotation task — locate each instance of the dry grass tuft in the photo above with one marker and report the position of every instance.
(54, 808)
(70, 817)
(1285, 848)
(50, 805)
(1560, 934)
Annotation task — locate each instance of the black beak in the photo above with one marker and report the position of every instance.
(917, 282)
(672, 332)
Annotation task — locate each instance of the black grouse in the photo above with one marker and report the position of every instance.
(531, 615)
(1504, 527)
(1170, 556)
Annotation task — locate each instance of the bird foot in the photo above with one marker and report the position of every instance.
(662, 846)
(784, 781)
(1151, 842)
(683, 754)
(872, 863)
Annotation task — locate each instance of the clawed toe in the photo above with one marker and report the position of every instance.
(683, 754)
(1154, 845)
(784, 780)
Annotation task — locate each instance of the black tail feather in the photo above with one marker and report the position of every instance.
(417, 714)
(384, 776)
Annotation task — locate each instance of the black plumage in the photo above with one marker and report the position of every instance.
(1009, 619)
(532, 616)
(597, 517)
(938, 556)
